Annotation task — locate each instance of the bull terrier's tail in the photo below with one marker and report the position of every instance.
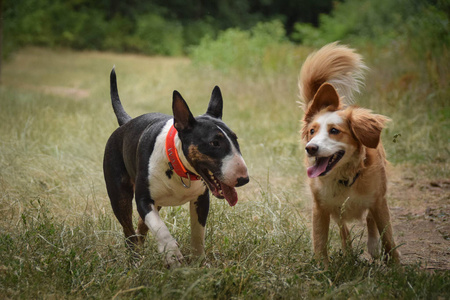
(121, 114)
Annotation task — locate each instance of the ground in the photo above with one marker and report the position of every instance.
(420, 210)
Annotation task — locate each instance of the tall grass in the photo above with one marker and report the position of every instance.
(58, 235)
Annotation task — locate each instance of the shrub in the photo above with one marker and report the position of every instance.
(155, 35)
(193, 32)
(242, 49)
(421, 25)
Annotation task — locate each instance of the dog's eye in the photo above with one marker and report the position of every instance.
(311, 132)
(334, 131)
(214, 143)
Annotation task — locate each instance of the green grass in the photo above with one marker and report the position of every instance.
(58, 235)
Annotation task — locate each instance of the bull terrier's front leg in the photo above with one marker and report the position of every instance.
(199, 212)
(166, 243)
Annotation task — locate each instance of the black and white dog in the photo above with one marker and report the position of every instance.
(169, 161)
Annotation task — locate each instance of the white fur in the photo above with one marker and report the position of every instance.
(343, 203)
(233, 165)
(165, 191)
(327, 145)
(166, 243)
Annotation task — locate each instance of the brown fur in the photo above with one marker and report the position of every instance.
(364, 162)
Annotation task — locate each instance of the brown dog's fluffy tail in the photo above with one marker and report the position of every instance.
(335, 64)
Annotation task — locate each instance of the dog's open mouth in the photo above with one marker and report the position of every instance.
(324, 164)
(219, 189)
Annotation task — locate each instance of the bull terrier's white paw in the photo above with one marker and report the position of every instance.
(173, 256)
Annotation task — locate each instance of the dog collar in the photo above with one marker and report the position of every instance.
(347, 183)
(175, 163)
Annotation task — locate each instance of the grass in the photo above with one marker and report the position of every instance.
(59, 238)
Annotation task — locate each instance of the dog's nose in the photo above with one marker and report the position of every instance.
(312, 149)
(242, 181)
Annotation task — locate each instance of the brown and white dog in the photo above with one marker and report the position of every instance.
(345, 159)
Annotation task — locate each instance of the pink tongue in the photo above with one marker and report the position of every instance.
(229, 194)
(318, 168)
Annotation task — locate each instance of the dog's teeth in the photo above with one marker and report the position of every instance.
(333, 158)
(210, 173)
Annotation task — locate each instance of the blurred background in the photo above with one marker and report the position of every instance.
(173, 27)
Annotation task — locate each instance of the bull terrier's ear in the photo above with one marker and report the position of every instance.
(215, 106)
(182, 116)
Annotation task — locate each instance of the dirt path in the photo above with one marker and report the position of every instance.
(420, 210)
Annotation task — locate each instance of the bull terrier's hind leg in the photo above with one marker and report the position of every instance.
(120, 191)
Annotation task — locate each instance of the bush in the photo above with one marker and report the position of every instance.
(155, 35)
(243, 49)
(193, 32)
(421, 25)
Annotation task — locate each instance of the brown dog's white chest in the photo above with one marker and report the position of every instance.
(342, 202)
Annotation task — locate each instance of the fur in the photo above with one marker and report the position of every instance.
(136, 165)
(344, 155)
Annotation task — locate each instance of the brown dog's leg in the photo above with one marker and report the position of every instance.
(381, 216)
(345, 236)
(321, 224)
(372, 241)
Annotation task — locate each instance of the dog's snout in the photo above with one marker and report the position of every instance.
(242, 181)
(312, 149)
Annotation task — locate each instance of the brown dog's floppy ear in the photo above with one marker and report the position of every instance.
(367, 126)
(182, 116)
(326, 96)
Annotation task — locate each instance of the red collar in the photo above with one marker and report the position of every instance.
(174, 160)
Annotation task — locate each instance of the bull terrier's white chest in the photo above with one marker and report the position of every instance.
(166, 188)
(171, 192)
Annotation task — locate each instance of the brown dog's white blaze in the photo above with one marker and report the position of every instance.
(325, 147)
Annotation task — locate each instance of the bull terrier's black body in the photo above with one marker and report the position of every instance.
(165, 160)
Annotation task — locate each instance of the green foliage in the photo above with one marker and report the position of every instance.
(252, 50)
(166, 27)
(421, 25)
(194, 31)
(155, 35)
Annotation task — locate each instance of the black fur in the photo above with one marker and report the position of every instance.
(205, 143)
